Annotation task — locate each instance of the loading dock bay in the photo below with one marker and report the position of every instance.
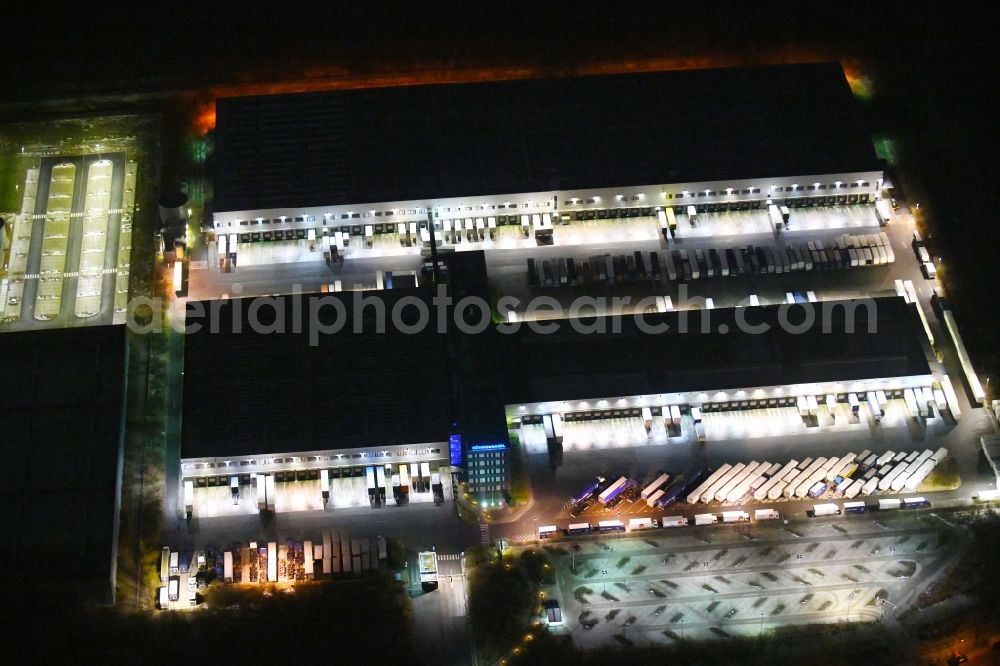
(302, 491)
(272, 267)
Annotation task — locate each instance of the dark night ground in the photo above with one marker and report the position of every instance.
(933, 67)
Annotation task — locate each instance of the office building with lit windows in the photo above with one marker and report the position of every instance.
(488, 469)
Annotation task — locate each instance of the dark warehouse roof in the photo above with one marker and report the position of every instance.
(62, 450)
(255, 393)
(453, 140)
(567, 365)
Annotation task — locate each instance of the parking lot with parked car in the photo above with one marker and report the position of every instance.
(659, 586)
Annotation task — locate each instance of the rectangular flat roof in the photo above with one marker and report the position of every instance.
(567, 365)
(479, 409)
(62, 425)
(256, 393)
(453, 140)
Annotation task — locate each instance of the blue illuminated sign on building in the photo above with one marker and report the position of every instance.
(488, 447)
(455, 447)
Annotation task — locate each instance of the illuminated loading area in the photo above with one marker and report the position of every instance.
(652, 420)
(316, 489)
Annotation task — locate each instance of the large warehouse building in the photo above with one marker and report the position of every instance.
(370, 394)
(354, 397)
(363, 162)
(831, 350)
(843, 348)
(713, 138)
(361, 397)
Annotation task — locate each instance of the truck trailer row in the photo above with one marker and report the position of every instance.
(846, 476)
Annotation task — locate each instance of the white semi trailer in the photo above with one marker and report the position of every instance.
(271, 493)
(425, 474)
(775, 216)
(272, 559)
(262, 492)
(762, 491)
(899, 482)
(841, 467)
(308, 559)
(380, 480)
(918, 476)
(188, 498)
(739, 487)
(416, 485)
(404, 479)
(829, 509)
(854, 488)
(793, 485)
(709, 494)
(324, 484)
(695, 495)
(723, 492)
(883, 211)
(886, 482)
(884, 458)
(778, 489)
(613, 490)
(654, 486)
(803, 488)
